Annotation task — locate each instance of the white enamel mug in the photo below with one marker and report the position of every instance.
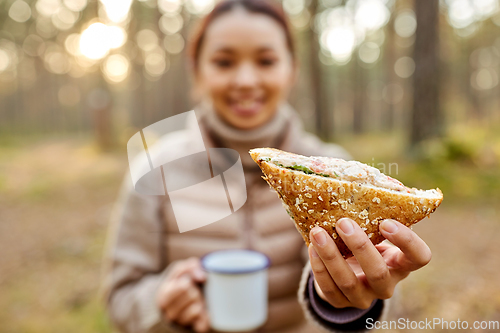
(236, 289)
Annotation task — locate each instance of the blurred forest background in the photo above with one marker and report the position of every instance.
(415, 83)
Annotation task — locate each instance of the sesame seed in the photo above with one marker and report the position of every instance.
(370, 235)
(314, 203)
(335, 203)
(325, 224)
(310, 211)
(334, 235)
(320, 198)
(341, 190)
(308, 195)
(329, 189)
(318, 185)
(377, 200)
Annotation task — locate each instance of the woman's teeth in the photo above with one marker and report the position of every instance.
(246, 104)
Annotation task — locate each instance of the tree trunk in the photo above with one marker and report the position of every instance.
(322, 119)
(426, 117)
(359, 94)
(390, 58)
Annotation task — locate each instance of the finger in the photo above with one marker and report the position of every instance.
(172, 289)
(190, 313)
(415, 252)
(384, 246)
(202, 323)
(176, 305)
(181, 303)
(369, 258)
(324, 281)
(388, 250)
(192, 267)
(338, 268)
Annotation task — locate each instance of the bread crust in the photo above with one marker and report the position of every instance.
(313, 200)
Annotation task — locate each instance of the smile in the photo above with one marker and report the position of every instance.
(247, 107)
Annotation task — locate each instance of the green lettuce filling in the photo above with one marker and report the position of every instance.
(302, 168)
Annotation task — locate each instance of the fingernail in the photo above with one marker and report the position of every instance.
(314, 254)
(389, 226)
(346, 226)
(319, 236)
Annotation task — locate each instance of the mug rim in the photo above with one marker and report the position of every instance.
(233, 271)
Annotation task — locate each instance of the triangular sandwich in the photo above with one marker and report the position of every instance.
(318, 191)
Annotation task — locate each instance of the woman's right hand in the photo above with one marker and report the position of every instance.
(180, 298)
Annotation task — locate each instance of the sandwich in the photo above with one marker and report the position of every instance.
(318, 191)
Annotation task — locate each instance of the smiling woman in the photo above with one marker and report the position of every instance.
(247, 70)
(244, 66)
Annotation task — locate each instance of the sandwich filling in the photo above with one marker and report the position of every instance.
(338, 169)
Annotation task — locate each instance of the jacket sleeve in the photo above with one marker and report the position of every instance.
(133, 265)
(330, 319)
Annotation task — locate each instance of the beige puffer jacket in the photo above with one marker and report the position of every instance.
(144, 241)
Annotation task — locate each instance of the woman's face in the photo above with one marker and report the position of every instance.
(245, 68)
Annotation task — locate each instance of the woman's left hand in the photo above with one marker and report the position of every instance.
(374, 270)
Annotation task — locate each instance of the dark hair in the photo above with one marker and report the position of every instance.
(265, 7)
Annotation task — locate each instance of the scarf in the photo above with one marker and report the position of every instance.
(274, 133)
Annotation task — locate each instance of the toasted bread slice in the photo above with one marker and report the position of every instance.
(318, 191)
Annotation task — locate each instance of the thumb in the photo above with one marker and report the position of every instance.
(198, 275)
(195, 271)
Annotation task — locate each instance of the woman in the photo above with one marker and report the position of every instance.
(244, 66)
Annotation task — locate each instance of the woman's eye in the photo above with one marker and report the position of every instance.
(267, 62)
(223, 63)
